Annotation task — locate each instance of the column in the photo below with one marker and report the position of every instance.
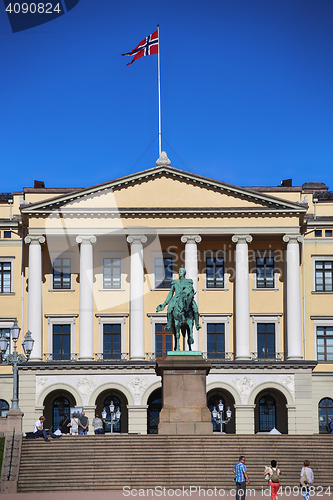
(242, 296)
(191, 267)
(35, 294)
(137, 419)
(137, 329)
(86, 337)
(294, 311)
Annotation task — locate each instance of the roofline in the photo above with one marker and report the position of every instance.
(121, 181)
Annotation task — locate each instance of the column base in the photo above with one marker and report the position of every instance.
(243, 358)
(293, 358)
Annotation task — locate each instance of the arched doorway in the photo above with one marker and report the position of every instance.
(154, 408)
(213, 399)
(119, 400)
(271, 412)
(325, 409)
(56, 404)
(4, 407)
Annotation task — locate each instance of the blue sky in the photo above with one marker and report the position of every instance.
(246, 92)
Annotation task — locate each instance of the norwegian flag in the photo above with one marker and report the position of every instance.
(148, 46)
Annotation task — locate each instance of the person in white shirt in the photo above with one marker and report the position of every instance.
(308, 480)
(39, 431)
(74, 425)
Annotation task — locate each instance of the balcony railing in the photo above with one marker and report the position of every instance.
(113, 357)
(217, 356)
(268, 357)
(59, 358)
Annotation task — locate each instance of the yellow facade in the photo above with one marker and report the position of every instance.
(271, 320)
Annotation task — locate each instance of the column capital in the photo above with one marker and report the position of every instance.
(292, 238)
(136, 238)
(241, 238)
(34, 240)
(191, 238)
(86, 240)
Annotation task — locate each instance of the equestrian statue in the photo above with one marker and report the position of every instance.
(182, 309)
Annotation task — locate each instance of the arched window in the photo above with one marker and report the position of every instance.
(4, 407)
(267, 414)
(154, 408)
(106, 404)
(214, 401)
(325, 408)
(60, 407)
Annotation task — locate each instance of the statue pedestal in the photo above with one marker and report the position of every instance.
(184, 401)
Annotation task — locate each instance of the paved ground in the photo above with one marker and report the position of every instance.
(158, 494)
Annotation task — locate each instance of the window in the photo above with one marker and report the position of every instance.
(6, 331)
(7, 234)
(163, 341)
(328, 233)
(4, 407)
(62, 274)
(215, 272)
(111, 273)
(106, 407)
(215, 340)
(318, 233)
(214, 402)
(267, 414)
(163, 272)
(266, 340)
(111, 341)
(61, 407)
(154, 408)
(325, 408)
(265, 272)
(325, 343)
(5, 277)
(61, 342)
(323, 275)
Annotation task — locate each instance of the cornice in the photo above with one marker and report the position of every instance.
(164, 171)
(167, 212)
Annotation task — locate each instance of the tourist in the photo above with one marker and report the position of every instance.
(241, 478)
(83, 424)
(274, 480)
(306, 479)
(97, 424)
(74, 425)
(64, 424)
(39, 431)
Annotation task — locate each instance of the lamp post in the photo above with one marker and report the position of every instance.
(115, 415)
(15, 359)
(218, 415)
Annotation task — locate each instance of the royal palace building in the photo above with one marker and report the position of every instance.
(84, 270)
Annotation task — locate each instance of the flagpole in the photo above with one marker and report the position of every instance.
(159, 94)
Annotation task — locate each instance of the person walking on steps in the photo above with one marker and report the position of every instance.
(274, 479)
(241, 478)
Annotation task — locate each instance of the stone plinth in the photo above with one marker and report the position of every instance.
(184, 401)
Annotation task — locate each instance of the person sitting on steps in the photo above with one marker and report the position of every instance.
(39, 431)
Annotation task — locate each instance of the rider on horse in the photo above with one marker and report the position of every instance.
(180, 288)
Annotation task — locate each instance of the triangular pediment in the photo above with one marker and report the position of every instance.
(163, 190)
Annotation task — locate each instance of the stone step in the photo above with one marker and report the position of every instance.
(149, 461)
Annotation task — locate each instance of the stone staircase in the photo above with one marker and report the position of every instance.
(145, 461)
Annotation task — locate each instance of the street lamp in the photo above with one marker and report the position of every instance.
(15, 359)
(218, 415)
(115, 415)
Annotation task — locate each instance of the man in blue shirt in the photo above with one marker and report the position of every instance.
(241, 478)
